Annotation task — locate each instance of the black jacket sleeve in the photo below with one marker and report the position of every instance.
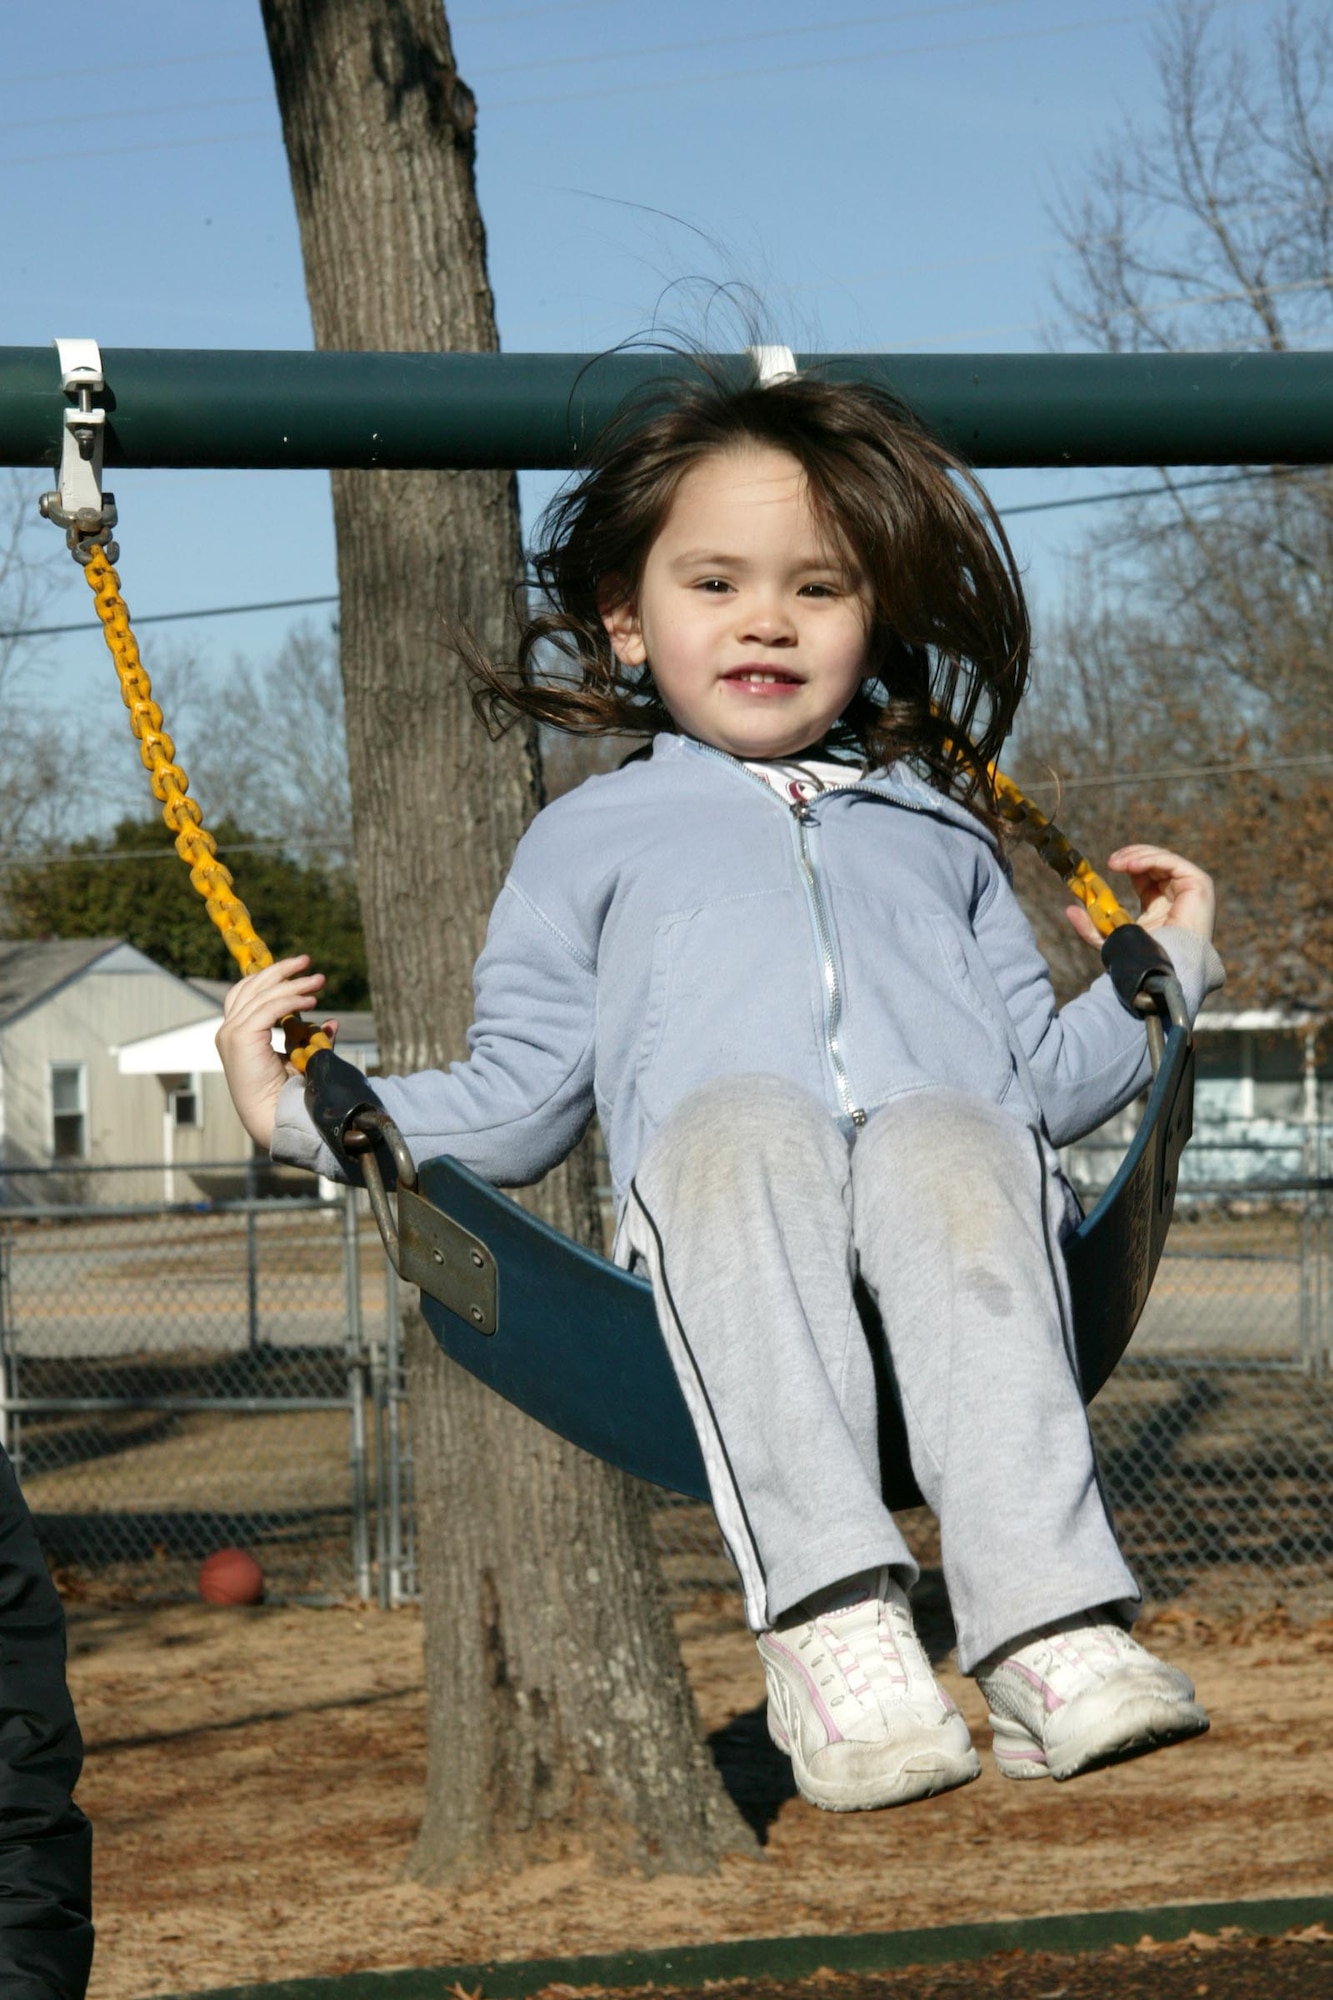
(46, 1932)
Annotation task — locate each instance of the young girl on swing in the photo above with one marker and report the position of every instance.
(781, 958)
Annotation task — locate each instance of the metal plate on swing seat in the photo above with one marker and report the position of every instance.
(447, 1262)
(577, 1346)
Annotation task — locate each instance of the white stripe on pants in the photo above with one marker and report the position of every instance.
(753, 1216)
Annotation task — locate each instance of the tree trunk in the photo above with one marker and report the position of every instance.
(559, 1716)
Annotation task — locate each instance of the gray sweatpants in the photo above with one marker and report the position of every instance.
(754, 1214)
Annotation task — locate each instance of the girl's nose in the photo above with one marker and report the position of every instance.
(769, 623)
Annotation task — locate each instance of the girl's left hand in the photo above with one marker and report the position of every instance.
(1170, 889)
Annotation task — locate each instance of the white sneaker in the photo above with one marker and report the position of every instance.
(1079, 1699)
(853, 1702)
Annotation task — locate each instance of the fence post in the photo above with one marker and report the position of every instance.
(393, 1387)
(356, 1394)
(379, 1399)
(251, 1261)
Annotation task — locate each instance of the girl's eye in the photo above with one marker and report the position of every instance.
(714, 585)
(819, 590)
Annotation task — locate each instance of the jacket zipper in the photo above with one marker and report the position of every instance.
(803, 817)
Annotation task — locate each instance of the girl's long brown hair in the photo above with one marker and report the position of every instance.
(949, 638)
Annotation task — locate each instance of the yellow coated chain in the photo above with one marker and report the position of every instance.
(194, 844)
(1077, 873)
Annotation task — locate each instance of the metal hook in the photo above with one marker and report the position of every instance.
(78, 504)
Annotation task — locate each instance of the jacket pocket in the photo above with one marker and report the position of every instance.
(732, 992)
(916, 1014)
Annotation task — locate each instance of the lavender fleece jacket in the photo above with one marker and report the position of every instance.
(674, 922)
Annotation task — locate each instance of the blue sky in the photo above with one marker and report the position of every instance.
(880, 176)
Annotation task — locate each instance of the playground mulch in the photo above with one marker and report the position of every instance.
(255, 1778)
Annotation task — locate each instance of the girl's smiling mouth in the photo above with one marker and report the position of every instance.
(763, 679)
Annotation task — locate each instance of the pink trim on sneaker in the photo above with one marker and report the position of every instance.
(834, 1733)
(1050, 1698)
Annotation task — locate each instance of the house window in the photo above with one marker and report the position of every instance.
(183, 1106)
(1223, 1084)
(1219, 1056)
(69, 1111)
(1279, 1076)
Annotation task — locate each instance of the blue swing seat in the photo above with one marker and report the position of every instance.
(576, 1342)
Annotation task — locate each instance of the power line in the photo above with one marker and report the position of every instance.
(1137, 492)
(636, 52)
(136, 111)
(731, 76)
(642, 84)
(104, 857)
(171, 617)
(300, 603)
(1252, 211)
(740, 41)
(1107, 781)
(123, 69)
(1116, 780)
(256, 51)
(585, 56)
(62, 157)
(1319, 284)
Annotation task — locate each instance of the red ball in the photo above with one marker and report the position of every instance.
(230, 1576)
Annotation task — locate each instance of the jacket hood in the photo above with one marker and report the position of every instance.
(897, 782)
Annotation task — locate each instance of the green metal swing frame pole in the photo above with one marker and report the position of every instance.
(290, 410)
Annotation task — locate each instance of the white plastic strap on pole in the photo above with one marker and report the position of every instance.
(80, 365)
(773, 364)
(81, 441)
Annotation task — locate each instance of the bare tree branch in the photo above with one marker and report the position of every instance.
(1201, 623)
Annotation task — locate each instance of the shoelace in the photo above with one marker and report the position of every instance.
(895, 1630)
(848, 1663)
(1097, 1649)
(883, 1666)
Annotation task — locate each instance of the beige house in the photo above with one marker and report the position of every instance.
(68, 1008)
(108, 1062)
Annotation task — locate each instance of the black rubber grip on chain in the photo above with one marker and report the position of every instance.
(1133, 956)
(335, 1090)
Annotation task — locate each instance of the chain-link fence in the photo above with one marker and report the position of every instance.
(1216, 1432)
(180, 1379)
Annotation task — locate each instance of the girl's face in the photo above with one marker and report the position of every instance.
(755, 633)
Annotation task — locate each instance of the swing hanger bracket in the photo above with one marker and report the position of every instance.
(78, 504)
(425, 1246)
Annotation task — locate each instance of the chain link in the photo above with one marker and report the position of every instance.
(195, 845)
(1075, 871)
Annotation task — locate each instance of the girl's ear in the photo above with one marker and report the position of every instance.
(623, 629)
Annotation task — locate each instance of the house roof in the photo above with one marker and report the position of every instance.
(192, 1050)
(1259, 1020)
(33, 968)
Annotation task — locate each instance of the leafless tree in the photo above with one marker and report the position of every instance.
(54, 784)
(267, 745)
(1212, 224)
(1212, 227)
(1199, 632)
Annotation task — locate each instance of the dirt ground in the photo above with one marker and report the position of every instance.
(255, 1778)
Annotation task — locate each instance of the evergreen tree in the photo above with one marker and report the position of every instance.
(132, 885)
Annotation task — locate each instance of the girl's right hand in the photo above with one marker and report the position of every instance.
(254, 1069)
